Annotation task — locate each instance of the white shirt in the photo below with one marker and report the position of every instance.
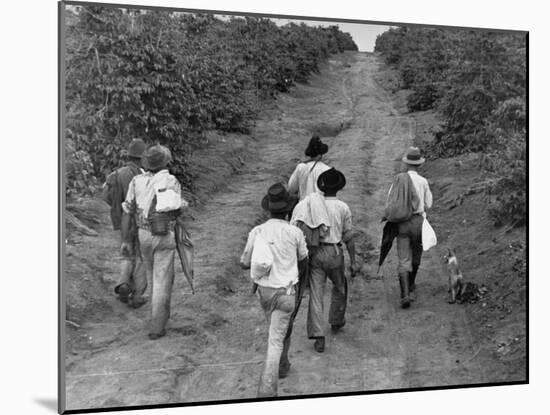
(304, 178)
(422, 190)
(288, 245)
(339, 215)
(143, 188)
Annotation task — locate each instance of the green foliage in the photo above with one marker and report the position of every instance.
(168, 77)
(476, 80)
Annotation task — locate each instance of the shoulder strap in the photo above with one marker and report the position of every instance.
(314, 164)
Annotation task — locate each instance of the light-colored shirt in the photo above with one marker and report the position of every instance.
(422, 190)
(339, 215)
(142, 190)
(288, 246)
(304, 178)
(312, 211)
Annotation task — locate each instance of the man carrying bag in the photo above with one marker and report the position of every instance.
(407, 200)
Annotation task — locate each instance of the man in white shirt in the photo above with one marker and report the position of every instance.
(156, 235)
(328, 261)
(277, 290)
(409, 238)
(304, 178)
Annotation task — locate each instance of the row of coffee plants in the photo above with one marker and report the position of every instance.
(168, 77)
(476, 81)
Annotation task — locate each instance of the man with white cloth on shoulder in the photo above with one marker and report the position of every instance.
(327, 260)
(277, 286)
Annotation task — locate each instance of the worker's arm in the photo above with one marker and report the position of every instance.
(247, 253)
(293, 184)
(350, 246)
(348, 238)
(428, 199)
(128, 211)
(126, 227)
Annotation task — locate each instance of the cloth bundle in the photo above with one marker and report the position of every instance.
(312, 212)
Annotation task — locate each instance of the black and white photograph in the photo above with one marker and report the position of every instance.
(268, 207)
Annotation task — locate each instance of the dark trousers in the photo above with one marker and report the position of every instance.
(409, 248)
(327, 261)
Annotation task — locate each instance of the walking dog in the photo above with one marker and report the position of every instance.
(456, 285)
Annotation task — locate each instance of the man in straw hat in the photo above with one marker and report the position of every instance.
(304, 178)
(328, 261)
(156, 226)
(277, 290)
(409, 232)
(132, 283)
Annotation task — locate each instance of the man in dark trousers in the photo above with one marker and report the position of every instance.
(129, 289)
(409, 237)
(278, 290)
(328, 261)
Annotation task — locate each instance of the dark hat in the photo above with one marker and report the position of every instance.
(136, 148)
(331, 180)
(316, 147)
(156, 157)
(413, 157)
(278, 200)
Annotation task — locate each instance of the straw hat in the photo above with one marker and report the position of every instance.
(413, 157)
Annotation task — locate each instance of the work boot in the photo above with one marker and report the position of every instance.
(404, 288)
(336, 327)
(155, 336)
(123, 291)
(319, 344)
(412, 277)
(283, 370)
(137, 302)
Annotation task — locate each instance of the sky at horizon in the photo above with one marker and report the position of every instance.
(363, 34)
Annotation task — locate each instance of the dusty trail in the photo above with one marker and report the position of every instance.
(216, 339)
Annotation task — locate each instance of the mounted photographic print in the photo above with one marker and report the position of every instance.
(259, 207)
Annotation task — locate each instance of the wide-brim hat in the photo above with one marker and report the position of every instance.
(315, 147)
(413, 157)
(156, 157)
(331, 180)
(278, 199)
(136, 148)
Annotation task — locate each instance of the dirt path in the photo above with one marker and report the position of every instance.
(216, 339)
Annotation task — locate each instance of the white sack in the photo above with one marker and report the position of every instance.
(167, 200)
(261, 260)
(429, 239)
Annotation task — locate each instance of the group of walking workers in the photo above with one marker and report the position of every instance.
(299, 247)
(302, 245)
